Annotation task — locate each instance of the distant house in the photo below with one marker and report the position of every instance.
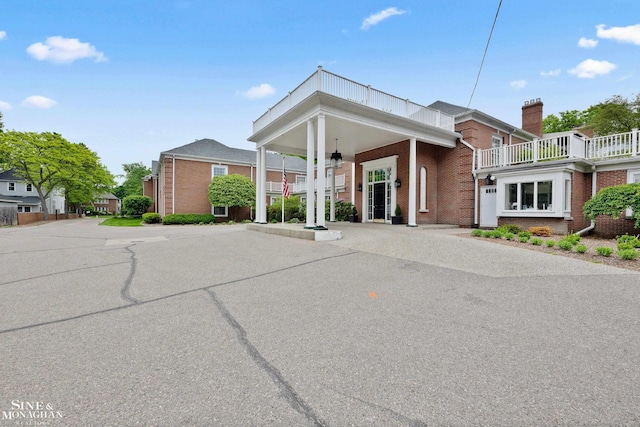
(180, 178)
(14, 192)
(107, 203)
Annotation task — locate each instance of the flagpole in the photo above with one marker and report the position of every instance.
(282, 195)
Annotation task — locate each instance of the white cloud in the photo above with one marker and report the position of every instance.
(587, 43)
(591, 68)
(37, 101)
(376, 18)
(3, 35)
(260, 91)
(518, 84)
(4, 106)
(630, 34)
(552, 73)
(64, 51)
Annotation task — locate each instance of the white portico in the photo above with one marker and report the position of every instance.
(327, 108)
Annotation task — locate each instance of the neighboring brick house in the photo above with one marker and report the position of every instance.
(107, 203)
(180, 179)
(445, 164)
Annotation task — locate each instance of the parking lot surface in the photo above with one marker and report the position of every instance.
(389, 326)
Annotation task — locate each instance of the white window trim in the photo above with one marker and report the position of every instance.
(557, 179)
(373, 165)
(225, 167)
(633, 176)
(226, 211)
(9, 184)
(226, 172)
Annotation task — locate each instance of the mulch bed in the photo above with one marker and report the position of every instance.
(591, 242)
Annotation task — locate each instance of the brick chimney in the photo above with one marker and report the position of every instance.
(532, 116)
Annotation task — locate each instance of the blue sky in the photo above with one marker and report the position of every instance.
(133, 78)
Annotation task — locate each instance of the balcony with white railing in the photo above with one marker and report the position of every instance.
(301, 187)
(332, 84)
(561, 147)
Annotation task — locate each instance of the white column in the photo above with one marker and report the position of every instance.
(258, 186)
(263, 186)
(412, 183)
(310, 178)
(332, 197)
(320, 172)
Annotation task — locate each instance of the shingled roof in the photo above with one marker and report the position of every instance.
(213, 150)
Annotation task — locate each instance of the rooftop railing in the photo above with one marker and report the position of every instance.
(332, 84)
(562, 147)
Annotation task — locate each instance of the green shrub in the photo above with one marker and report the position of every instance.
(294, 221)
(604, 250)
(477, 232)
(496, 234)
(136, 205)
(487, 234)
(509, 236)
(628, 254)
(523, 239)
(633, 240)
(188, 219)
(581, 249)
(573, 238)
(565, 245)
(550, 243)
(292, 209)
(536, 241)
(623, 246)
(510, 228)
(151, 218)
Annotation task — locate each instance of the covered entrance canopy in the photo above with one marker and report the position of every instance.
(326, 108)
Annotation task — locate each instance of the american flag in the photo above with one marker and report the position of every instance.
(285, 186)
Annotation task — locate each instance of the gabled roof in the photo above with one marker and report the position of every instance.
(462, 114)
(9, 175)
(212, 150)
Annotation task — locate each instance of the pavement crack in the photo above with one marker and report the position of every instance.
(286, 390)
(411, 422)
(124, 292)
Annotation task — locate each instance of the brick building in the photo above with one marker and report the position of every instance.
(180, 178)
(442, 163)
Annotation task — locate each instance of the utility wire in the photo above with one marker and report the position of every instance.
(485, 54)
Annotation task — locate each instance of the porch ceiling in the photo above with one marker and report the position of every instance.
(358, 128)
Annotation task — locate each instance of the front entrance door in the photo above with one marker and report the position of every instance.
(379, 201)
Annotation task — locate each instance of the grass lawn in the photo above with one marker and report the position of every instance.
(123, 222)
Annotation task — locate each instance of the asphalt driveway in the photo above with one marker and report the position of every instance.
(390, 326)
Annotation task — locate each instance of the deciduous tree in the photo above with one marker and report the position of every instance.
(132, 184)
(235, 191)
(49, 162)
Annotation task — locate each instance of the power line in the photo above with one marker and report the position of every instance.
(485, 54)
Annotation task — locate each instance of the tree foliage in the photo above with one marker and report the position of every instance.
(49, 162)
(234, 191)
(615, 115)
(1, 122)
(132, 184)
(614, 201)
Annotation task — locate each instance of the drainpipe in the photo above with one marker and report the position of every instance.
(173, 185)
(593, 193)
(475, 180)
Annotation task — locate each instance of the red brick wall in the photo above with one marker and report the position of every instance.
(455, 186)
(580, 193)
(148, 190)
(450, 184)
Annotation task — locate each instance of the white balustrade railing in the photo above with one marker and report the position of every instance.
(562, 147)
(301, 187)
(332, 84)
